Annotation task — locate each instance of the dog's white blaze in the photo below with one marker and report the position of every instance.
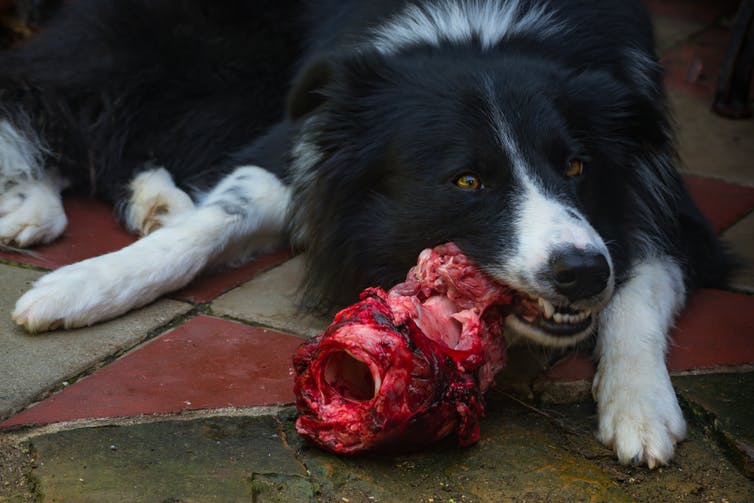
(639, 414)
(460, 20)
(21, 157)
(154, 201)
(544, 224)
(167, 259)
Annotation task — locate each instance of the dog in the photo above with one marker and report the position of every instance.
(532, 133)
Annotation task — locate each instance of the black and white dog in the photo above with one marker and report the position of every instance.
(532, 133)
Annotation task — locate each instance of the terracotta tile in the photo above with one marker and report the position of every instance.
(717, 329)
(574, 367)
(205, 363)
(92, 230)
(215, 283)
(711, 146)
(722, 203)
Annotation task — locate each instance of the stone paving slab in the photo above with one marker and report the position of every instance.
(270, 299)
(712, 146)
(32, 364)
(205, 363)
(526, 454)
(740, 238)
(203, 460)
(671, 31)
(722, 403)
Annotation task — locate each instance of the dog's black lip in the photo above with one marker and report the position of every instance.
(558, 329)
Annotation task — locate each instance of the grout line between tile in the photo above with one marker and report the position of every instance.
(28, 432)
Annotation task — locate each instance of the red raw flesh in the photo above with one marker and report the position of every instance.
(408, 366)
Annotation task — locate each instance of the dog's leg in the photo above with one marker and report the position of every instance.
(31, 211)
(247, 209)
(639, 415)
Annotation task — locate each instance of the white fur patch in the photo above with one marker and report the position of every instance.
(242, 215)
(155, 202)
(461, 20)
(639, 415)
(543, 225)
(31, 212)
(21, 156)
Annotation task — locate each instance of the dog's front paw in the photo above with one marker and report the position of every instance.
(79, 295)
(639, 417)
(31, 213)
(65, 298)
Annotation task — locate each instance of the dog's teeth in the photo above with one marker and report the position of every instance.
(546, 307)
(557, 317)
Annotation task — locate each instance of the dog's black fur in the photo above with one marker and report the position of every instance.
(376, 128)
(110, 84)
(192, 85)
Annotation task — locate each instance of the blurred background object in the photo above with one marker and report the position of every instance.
(732, 96)
(21, 18)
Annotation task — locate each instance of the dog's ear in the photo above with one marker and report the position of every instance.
(335, 75)
(305, 95)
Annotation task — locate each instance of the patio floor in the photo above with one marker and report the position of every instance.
(189, 399)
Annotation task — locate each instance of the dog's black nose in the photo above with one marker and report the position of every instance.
(579, 274)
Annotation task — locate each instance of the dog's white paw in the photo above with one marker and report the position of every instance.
(155, 202)
(73, 296)
(31, 213)
(639, 416)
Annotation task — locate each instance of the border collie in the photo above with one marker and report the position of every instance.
(532, 133)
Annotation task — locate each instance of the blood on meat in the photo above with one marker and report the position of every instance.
(406, 366)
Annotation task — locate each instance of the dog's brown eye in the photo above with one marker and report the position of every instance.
(468, 181)
(575, 168)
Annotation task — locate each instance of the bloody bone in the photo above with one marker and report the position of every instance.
(408, 366)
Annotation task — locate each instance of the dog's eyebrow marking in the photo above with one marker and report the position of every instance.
(488, 21)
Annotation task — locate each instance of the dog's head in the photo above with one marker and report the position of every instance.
(518, 161)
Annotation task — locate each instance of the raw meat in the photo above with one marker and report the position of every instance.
(408, 366)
